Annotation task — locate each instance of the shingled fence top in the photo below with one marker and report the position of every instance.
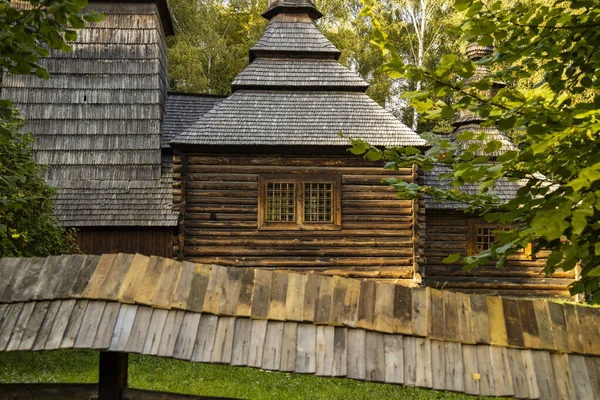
(304, 323)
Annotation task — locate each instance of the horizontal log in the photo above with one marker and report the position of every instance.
(223, 208)
(220, 216)
(291, 252)
(195, 185)
(278, 262)
(503, 283)
(402, 272)
(286, 160)
(522, 262)
(361, 179)
(454, 245)
(279, 241)
(509, 271)
(378, 203)
(346, 195)
(368, 188)
(197, 171)
(371, 233)
(219, 177)
(346, 210)
(377, 218)
(379, 225)
(515, 293)
(200, 200)
(252, 193)
(220, 225)
(432, 229)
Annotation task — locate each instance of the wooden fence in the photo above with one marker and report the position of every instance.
(303, 323)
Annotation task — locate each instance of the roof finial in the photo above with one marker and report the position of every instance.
(292, 7)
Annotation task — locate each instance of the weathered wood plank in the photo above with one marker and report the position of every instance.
(199, 285)
(123, 327)
(133, 279)
(83, 276)
(60, 325)
(46, 327)
(465, 321)
(496, 321)
(559, 328)
(325, 350)
(409, 345)
(139, 330)
(311, 294)
(74, 324)
(163, 296)
(181, 294)
(279, 285)
(107, 326)
(472, 375)
(402, 322)
(109, 288)
(244, 307)
(500, 367)
(451, 316)
(573, 329)
(25, 281)
(542, 317)
(587, 326)
(366, 305)
(205, 339)
(357, 354)
(294, 301)
(384, 307)
(10, 270)
(375, 357)
(484, 362)
(21, 324)
(49, 278)
(530, 374)
(518, 373)
(438, 365)
(223, 346)
(214, 290)
(529, 325)
(100, 276)
(170, 333)
(544, 374)
(454, 367)
(241, 341)
(231, 291)
(9, 320)
(288, 347)
(419, 312)
(262, 293)
(479, 313)
(155, 330)
(72, 265)
(152, 277)
(271, 358)
(257, 342)
(340, 352)
(563, 375)
(581, 379)
(34, 325)
(512, 320)
(394, 359)
(89, 324)
(186, 339)
(423, 377)
(323, 305)
(593, 368)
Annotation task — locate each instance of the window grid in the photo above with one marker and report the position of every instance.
(318, 202)
(485, 238)
(280, 202)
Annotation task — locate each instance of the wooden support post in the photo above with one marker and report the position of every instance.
(113, 375)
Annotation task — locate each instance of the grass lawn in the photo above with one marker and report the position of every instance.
(154, 373)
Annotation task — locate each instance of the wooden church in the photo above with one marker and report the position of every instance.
(261, 178)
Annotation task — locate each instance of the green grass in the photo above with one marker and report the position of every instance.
(167, 375)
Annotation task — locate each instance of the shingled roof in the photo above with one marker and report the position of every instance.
(294, 92)
(97, 121)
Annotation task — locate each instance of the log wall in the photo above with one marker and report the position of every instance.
(447, 232)
(219, 204)
(148, 241)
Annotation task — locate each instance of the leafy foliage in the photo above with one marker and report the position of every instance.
(558, 164)
(27, 31)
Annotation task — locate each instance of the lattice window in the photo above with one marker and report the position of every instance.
(485, 238)
(318, 202)
(298, 201)
(281, 201)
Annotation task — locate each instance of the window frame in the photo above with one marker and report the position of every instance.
(300, 180)
(474, 224)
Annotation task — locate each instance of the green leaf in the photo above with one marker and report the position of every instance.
(452, 258)
(594, 272)
(462, 5)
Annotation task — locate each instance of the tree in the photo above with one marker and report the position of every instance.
(28, 30)
(558, 161)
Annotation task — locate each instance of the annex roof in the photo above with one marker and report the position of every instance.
(294, 92)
